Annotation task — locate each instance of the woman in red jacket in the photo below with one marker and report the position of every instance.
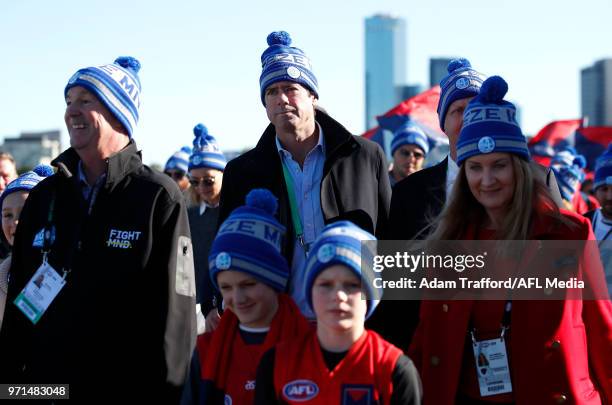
(541, 352)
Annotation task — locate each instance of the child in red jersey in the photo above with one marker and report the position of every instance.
(340, 362)
(247, 268)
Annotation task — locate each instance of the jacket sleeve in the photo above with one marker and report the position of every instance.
(597, 317)
(384, 196)
(175, 252)
(229, 195)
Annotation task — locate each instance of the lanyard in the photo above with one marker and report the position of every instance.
(48, 234)
(293, 207)
(505, 323)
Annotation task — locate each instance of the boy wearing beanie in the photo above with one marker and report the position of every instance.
(340, 361)
(319, 171)
(114, 235)
(247, 268)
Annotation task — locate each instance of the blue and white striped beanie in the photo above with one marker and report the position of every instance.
(489, 124)
(340, 243)
(206, 152)
(179, 160)
(461, 82)
(603, 169)
(250, 241)
(281, 62)
(116, 85)
(26, 181)
(409, 133)
(568, 167)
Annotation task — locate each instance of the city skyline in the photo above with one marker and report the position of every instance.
(201, 62)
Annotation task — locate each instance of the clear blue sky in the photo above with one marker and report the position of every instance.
(201, 59)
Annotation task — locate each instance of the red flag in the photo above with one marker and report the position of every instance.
(421, 108)
(542, 146)
(590, 142)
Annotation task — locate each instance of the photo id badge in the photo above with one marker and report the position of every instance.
(492, 367)
(40, 291)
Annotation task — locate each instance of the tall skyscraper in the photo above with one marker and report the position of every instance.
(596, 93)
(437, 70)
(385, 64)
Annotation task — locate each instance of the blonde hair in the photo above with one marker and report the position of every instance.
(463, 211)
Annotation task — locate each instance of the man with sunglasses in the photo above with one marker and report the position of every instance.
(176, 167)
(409, 148)
(319, 171)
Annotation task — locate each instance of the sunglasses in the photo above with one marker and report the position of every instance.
(407, 153)
(206, 181)
(175, 175)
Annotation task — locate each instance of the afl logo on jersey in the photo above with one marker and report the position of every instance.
(300, 390)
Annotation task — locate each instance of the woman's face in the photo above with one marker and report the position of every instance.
(11, 210)
(207, 184)
(337, 301)
(491, 181)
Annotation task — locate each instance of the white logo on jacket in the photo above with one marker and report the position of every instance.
(122, 239)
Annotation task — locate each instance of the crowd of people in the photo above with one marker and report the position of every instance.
(241, 282)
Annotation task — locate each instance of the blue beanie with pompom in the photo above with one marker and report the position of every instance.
(462, 81)
(341, 243)
(489, 124)
(116, 85)
(179, 160)
(26, 181)
(282, 62)
(250, 241)
(568, 167)
(206, 152)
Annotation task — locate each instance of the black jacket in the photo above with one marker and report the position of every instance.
(355, 184)
(125, 320)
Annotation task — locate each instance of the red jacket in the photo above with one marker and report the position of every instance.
(561, 350)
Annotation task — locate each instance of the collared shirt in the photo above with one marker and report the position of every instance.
(307, 189)
(204, 205)
(90, 193)
(451, 174)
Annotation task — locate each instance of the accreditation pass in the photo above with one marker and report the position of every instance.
(40, 291)
(492, 367)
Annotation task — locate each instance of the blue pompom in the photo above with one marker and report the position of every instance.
(128, 62)
(279, 38)
(200, 130)
(263, 199)
(186, 149)
(458, 64)
(493, 90)
(43, 170)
